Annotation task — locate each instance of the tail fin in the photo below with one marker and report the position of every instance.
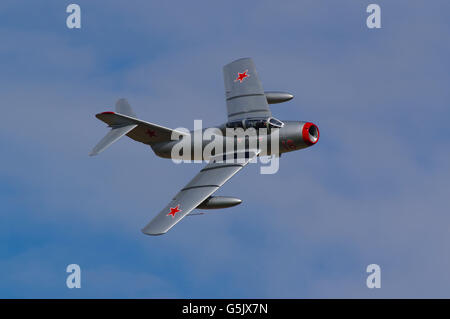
(124, 122)
(123, 107)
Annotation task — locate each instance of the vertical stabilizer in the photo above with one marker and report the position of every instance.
(123, 107)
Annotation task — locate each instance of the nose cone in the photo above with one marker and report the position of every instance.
(310, 133)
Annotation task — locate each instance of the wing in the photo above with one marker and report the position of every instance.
(244, 91)
(203, 185)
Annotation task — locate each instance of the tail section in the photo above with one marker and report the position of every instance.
(124, 122)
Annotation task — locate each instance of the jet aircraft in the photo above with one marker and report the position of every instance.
(248, 107)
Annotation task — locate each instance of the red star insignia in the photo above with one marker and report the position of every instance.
(242, 76)
(173, 211)
(151, 133)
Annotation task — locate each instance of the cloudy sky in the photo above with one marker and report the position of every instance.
(375, 189)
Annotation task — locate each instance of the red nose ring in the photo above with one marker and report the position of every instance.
(310, 133)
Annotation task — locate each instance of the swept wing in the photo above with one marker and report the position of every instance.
(203, 185)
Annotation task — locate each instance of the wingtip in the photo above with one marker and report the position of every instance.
(236, 60)
(103, 113)
(151, 234)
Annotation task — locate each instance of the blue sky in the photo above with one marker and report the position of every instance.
(373, 190)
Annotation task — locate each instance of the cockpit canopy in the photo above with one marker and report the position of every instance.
(256, 123)
(275, 122)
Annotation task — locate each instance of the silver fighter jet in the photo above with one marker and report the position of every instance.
(248, 107)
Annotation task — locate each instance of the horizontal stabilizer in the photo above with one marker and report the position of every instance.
(144, 132)
(124, 122)
(111, 137)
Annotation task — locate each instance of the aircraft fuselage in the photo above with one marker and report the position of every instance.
(293, 136)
